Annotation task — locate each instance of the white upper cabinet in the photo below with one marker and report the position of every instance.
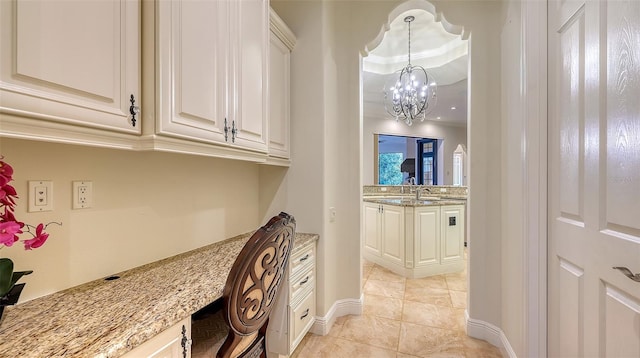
(191, 43)
(249, 68)
(68, 63)
(282, 43)
(211, 78)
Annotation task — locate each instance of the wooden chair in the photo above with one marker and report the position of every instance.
(251, 290)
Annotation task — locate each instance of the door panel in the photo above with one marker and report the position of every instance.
(427, 236)
(393, 234)
(372, 227)
(594, 178)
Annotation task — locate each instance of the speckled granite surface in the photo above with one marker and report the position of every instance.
(444, 191)
(109, 318)
(409, 201)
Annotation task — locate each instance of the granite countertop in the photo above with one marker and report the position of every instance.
(411, 201)
(109, 318)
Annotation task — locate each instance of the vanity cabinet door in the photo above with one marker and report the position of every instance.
(393, 240)
(70, 62)
(372, 222)
(452, 233)
(427, 236)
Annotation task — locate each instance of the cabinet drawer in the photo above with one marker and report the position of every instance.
(301, 260)
(299, 284)
(302, 316)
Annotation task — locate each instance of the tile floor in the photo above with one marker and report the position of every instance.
(402, 318)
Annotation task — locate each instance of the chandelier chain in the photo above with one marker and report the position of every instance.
(409, 43)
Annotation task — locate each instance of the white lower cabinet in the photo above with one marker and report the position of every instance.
(414, 241)
(383, 228)
(295, 310)
(174, 342)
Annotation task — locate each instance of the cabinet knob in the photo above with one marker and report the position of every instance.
(226, 131)
(234, 131)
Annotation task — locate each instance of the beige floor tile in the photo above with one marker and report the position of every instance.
(337, 325)
(456, 282)
(458, 299)
(434, 296)
(334, 347)
(372, 330)
(402, 355)
(380, 306)
(433, 315)
(366, 272)
(423, 341)
(384, 288)
(382, 274)
(478, 348)
(431, 281)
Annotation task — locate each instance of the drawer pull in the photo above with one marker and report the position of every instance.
(305, 258)
(305, 314)
(304, 281)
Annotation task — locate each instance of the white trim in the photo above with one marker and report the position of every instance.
(490, 333)
(534, 104)
(322, 325)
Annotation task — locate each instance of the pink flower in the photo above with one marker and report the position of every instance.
(37, 240)
(8, 195)
(9, 231)
(6, 171)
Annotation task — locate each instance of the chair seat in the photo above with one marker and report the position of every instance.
(208, 334)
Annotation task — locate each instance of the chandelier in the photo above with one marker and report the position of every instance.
(411, 93)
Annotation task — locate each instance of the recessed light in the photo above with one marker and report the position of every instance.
(438, 117)
(452, 108)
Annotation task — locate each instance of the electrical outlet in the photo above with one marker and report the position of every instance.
(40, 196)
(82, 194)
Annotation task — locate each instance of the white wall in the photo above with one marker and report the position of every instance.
(334, 55)
(452, 136)
(146, 206)
(513, 289)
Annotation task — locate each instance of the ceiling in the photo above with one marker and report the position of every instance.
(443, 55)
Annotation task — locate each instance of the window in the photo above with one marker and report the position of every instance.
(389, 168)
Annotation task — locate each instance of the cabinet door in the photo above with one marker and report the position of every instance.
(371, 229)
(393, 234)
(427, 236)
(452, 232)
(74, 62)
(192, 47)
(167, 344)
(279, 64)
(249, 85)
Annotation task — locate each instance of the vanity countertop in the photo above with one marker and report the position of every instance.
(109, 318)
(411, 201)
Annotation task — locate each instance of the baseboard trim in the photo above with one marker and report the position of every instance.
(490, 333)
(322, 325)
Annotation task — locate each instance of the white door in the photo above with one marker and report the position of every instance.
(393, 234)
(594, 178)
(73, 62)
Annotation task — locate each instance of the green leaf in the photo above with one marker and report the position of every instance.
(18, 274)
(6, 275)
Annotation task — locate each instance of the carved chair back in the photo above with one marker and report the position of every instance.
(253, 285)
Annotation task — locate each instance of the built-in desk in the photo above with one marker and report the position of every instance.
(109, 318)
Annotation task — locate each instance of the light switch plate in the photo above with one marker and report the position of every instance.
(40, 196)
